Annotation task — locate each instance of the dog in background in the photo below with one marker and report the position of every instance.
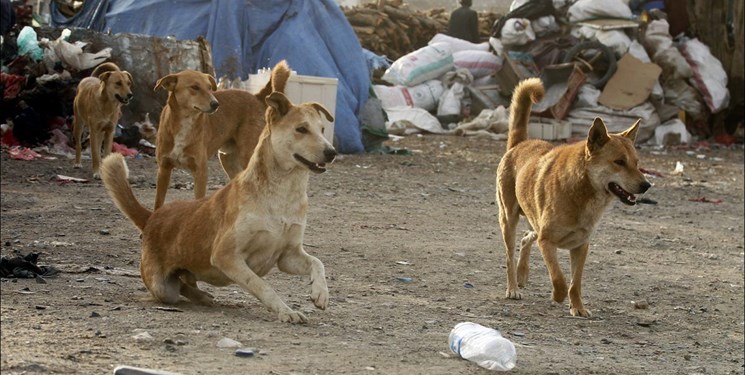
(97, 106)
(562, 191)
(192, 129)
(239, 233)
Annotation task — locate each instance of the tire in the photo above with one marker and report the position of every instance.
(607, 53)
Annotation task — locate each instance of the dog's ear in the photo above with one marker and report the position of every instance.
(104, 76)
(279, 102)
(320, 108)
(212, 82)
(131, 80)
(168, 82)
(631, 132)
(598, 135)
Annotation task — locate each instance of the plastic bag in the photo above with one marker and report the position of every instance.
(28, 44)
(517, 32)
(708, 75)
(450, 101)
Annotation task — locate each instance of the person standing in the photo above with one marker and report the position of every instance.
(464, 23)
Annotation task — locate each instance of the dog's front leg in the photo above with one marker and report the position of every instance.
(298, 262)
(225, 258)
(548, 250)
(161, 185)
(577, 257)
(200, 178)
(96, 141)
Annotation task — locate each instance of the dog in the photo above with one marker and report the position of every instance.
(562, 191)
(97, 106)
(239, 233)
(192, 129)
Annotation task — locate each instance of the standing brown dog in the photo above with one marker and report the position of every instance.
(562, 191)
(97, 105)
(239, 233)
(192, 129)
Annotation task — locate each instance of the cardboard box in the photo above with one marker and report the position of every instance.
(301, 89)
(516, 67)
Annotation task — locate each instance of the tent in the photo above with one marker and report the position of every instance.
(313, 36)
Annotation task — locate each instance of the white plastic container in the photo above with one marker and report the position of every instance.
(301, 89)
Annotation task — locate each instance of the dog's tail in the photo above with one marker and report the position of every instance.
(526, 93)
(114, 174)
(277, 82)
(105, 67)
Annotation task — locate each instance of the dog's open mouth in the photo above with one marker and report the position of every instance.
(121, 99)
(315, 167)
(623, 195)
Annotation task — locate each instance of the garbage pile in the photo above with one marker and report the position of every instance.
(597, 58)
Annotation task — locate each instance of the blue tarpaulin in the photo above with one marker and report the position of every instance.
(313, 36)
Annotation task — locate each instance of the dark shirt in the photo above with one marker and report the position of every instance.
(464, 24)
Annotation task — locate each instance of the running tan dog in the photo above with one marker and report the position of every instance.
(239, 233)
(562, 191)
(192, 129)
(97, 106)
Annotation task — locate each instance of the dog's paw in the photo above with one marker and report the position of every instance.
(522, 278)
(290, 316)
(583, 312)
(77, 165)
(513, 294)
(559, 294)
(320, 296)
(96, 176)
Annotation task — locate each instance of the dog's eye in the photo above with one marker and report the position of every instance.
(302, 130)
(118, 83)
(620, 162)
(195, 87)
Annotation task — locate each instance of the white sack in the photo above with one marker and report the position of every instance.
(410, 120)
(590, 9)
(479, 63)
(457, 44)
(671, 133)
(657, 38)
(616, 120)
(424, 64)
(425, 95)
(708, 75)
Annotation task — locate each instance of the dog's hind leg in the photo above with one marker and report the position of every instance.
(190, 290)
(577, 257)
(508, 219)
(522, 265)
(298, 262)
(549, 250)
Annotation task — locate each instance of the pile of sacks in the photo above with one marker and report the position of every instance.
(432, 80)
(427, 92)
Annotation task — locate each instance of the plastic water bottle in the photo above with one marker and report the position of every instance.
(482, 345)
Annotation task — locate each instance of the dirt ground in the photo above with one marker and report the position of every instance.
(411, 248)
